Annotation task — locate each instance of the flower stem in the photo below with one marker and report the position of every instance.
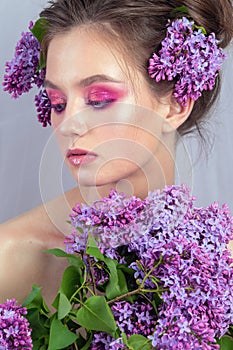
(133, 292)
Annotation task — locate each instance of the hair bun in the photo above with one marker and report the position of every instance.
(215, 16)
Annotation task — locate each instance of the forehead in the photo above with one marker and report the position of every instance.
(82, 52)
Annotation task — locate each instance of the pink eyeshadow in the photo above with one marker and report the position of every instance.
(55, 96)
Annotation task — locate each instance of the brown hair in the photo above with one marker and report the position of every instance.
(141, 26)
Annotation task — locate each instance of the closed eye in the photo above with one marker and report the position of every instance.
(99, 104)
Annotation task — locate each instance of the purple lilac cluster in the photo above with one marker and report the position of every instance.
(15, 333)
(136, 318)
(182, 251)
(190, 57)
(197, 296)
(43, 108)
(195, 269)
(22, 73)
(114, 221)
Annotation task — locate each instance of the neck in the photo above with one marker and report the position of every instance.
(155, 174)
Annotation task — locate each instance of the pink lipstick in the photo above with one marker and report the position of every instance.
(79, 156)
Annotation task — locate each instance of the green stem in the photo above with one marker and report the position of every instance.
(151, 270)
(141, 289)
(92, 275)
(133, 292)
(81, 287)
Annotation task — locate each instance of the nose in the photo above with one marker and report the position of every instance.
(73, 126)
(74, 121)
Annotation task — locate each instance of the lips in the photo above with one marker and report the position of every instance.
(79, 156)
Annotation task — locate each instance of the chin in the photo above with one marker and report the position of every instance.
(89, 179)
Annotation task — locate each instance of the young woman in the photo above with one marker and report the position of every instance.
(116, 121)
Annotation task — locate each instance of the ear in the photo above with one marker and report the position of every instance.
(177, 114)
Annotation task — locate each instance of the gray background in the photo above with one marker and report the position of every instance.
(23, 140)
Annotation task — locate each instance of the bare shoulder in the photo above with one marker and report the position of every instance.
(23, 260)
(23, 241)
(230, 248)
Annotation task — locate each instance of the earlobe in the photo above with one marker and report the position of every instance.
(177, 115)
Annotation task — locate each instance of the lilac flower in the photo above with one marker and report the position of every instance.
(197, 281)
(22, 71)
(114, 220)
(189, 57)
(15, 333)
(136, 318)
(178, 252)
(43, 107)
(104, 341)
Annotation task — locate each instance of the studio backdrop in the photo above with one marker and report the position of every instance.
(206, 166)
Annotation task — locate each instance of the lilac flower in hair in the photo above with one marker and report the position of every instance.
(22, 71)
(188, 56)
(43, 107)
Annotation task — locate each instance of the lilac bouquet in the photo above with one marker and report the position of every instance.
(143, 274)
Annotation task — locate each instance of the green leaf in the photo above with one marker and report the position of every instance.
(93, 250)
(201, 28)
(32, 296)
(64, 306)
(38, 346)
(117, 284)
(71, 279)
(182, 9)
(226, 343)
(79, 229)
(39, 29)
(96, 315)
(57, 252)
(37, 323)
(137, 342)
(60, 336)
(35, 300)
(72, 258)
(86, 343)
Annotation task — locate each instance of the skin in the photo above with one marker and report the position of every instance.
(69, 82)
(82, 118)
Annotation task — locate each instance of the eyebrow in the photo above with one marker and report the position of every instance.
(101, 78)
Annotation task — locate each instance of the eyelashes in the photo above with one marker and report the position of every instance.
(57, 101)
(59, 107)
(97, 97)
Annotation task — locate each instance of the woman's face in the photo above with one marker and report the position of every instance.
(105, 123)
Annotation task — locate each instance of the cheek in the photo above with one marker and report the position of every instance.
(113, 137)
(55, 121)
